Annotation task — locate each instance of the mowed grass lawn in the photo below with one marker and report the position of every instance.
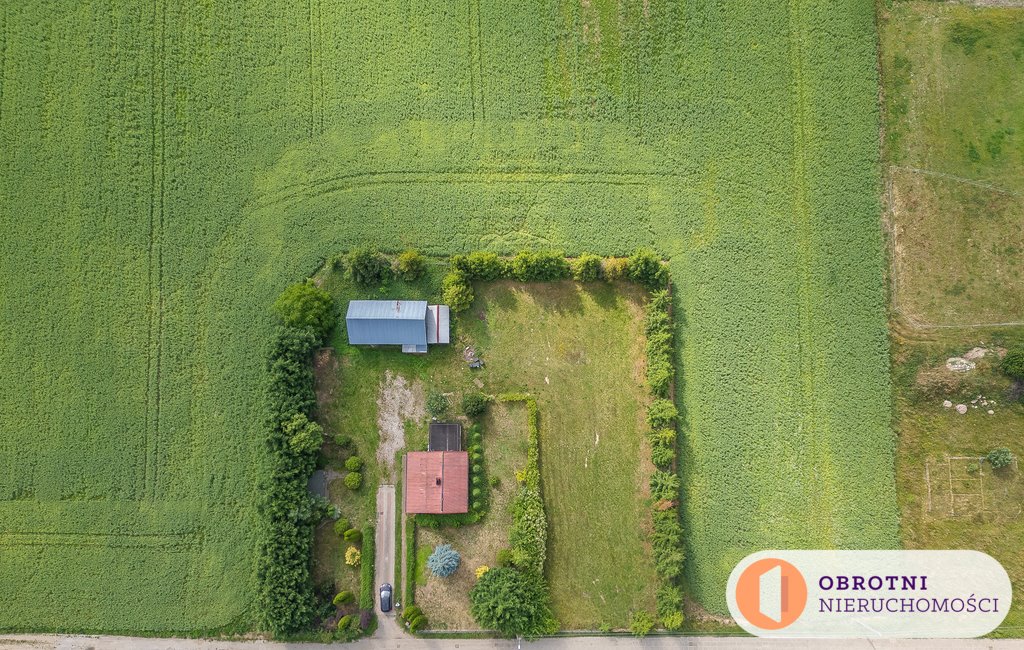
(954, 123)
(579, 351)
(943, 503)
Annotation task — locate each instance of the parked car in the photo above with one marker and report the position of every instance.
(385, 597)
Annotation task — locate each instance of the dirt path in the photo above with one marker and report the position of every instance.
(398, 401)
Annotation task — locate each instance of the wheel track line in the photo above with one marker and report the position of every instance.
(356, 180)
(156, 236)
(801, 214)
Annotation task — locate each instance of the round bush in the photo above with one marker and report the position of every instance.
(352, 556)
(1013, 363)
(411, 265)
(354, 463)
(344, 623)
(353, 535)
(341, 526)
(353, 480)
(306, 305)
(474, 404)
(344, 598)
(477, 468)
(494, 481)
(478, 480)
(999, 458)
(476, 493)
(367, 267)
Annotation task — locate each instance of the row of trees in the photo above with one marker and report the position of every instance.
(285, 596)
(643, 267)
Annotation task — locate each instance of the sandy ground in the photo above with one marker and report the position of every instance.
(399, 401)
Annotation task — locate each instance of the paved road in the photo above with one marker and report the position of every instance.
(387, 627)
(50, 642)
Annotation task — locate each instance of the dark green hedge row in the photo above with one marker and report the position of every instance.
(366, 567)
(284, 595)
(642, 267)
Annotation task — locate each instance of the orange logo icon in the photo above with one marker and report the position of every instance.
(771, 594)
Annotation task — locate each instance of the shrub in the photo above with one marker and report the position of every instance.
(673, 621)
(479, 265)
(367, 267)
(586, 268)
(657, 322)
(477, 468)
(663, 456)
(973, 468)
(481, 570)
(645, 268)
(411, 265)
(513, 603)
(528, 535)
(640, 623)
(494, 481)
(443, 561)
(306, 305)
(665, 437)
(418, 623)
(437, 404)
(614, 268)
(504, 557)
(999, 458)
(341, 526)
(528, 266)
(366, 585)
(661, 414)
(410, 613)
(344, 598)
(354, 463)
(342, 440)
(1013, 363)
(669, 599)
(659, 301)
(304, 437)
(474, 404)
(353, 556)
(345, 622)
(353, 480)
(659, 376)
(664, 486)
(353, 535)
(456, 291)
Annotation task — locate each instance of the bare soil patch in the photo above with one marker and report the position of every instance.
(399, 401)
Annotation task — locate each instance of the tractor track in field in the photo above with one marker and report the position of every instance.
(801, 213)
(357, 180)
(158, 156)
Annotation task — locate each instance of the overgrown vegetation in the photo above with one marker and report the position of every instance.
(284, 589)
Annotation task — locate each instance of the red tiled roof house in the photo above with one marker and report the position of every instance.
(436, 482)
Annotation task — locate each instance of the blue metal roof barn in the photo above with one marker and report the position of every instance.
(412, 324)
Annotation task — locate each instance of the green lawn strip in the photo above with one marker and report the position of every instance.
(954, 113)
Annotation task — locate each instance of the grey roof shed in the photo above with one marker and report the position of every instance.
(387, 322)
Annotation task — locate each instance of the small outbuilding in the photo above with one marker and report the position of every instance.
(444, 436)
(412, 324)
(436, 482)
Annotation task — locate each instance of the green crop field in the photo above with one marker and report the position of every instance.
(168, 168)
